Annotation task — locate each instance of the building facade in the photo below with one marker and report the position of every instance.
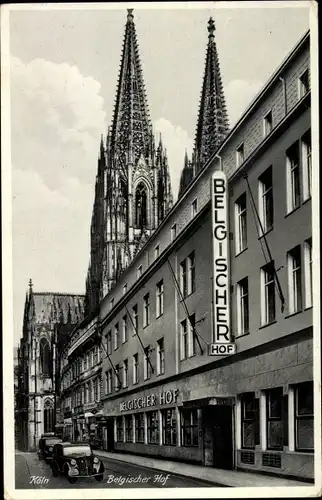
(137, 372)
(49, 319)
(168, 397)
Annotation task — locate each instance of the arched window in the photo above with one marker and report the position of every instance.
(141, 206)
(48, 415)
(45, 357)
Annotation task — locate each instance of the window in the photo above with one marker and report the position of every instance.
(141, 200)
(268, 123)
(128, 428)
(111, 304)
(146, 310)
(192, 335)
(160, 356)
(95, 355)
(274, 404)
(189, 427)
(304, 425)
(169, 427)
(153, 427)
(242, 307)
(184, 340)
(124, 328)
(293, 177)
(188, 275)
(268, 293)
(119, 429)
(156, 251)
(183, 278)
(159, 299)
(266, 210)
(117, 384)
(308, 273)
(306, 153)
(240, 155)
(294, 280)
(139, 428)
(116, 336)
(173, 231)
(194, 207)
(241, 223)
(147, 363)
(125, 289)
(135, 366)
(108, 375)
(250, 420)
(304, 86)
(97, 389)
(135, 319)
(188, 337)
(191, 273)
(109, 342)
(125, 373)
(139, 272)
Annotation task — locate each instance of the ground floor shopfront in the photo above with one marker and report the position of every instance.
(254, 412)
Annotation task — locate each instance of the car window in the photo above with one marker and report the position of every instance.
(52, 441)
(81, 450)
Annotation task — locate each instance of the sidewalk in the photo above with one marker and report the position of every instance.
(217, 476)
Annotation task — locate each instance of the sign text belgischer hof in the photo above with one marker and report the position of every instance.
(222, 338)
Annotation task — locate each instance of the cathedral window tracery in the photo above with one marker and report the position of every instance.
(45, 357)
(141, 206)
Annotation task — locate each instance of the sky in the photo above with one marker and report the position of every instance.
(63, 73)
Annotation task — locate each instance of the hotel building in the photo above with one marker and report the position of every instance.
(142, 362)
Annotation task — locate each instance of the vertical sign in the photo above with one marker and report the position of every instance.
(220, 237)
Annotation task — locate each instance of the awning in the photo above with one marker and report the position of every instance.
(88, 414)
(99, 413)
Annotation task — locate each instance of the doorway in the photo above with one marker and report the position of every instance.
(222, 426)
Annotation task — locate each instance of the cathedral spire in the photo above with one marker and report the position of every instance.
(131, 125)
(212, 124)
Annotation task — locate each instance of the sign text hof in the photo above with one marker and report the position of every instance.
(163, 398)
(222, 340)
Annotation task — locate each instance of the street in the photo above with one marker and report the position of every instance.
(31, 473)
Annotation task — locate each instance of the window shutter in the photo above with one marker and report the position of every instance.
(256, 417)
(285, 419)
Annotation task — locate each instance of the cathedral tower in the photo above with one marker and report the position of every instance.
(212, 124)
(133, 191)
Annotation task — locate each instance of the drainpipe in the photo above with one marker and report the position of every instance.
(284, 94)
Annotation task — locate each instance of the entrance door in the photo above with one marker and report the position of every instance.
(222, 437)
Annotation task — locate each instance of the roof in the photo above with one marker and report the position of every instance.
(58, 308)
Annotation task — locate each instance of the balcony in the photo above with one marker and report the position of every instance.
(80, 337)
(78, 409)
(90, 406)
(67, 412)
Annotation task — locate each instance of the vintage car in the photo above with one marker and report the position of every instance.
(46, 446)
(76, 460)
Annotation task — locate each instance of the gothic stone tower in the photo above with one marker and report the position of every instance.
(133, 190)
(48, 321)
(212, 124)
